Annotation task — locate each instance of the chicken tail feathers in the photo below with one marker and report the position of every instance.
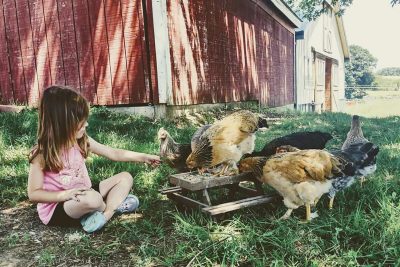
(371, 155)
(262, 123)
(341, 167)
(201, 155)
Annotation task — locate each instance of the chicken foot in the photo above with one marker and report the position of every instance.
(228, 168)
(201, 170)
(308, 213)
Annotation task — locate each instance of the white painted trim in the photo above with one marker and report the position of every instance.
(279, 4)
(163, 59)
(343, 38)
(278, 18)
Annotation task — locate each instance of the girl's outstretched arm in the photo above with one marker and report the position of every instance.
(37, 194)
(116, 154)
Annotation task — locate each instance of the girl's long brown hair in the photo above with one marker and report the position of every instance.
(61, 113)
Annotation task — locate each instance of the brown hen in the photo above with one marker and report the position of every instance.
(301, 177)
(225, 141)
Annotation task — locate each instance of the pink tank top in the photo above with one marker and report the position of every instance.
(74, 175)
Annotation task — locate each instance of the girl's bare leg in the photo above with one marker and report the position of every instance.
(115, 189)
(89, 202)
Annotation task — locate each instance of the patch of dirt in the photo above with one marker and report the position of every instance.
(25, 240)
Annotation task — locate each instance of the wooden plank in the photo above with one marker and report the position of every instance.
(151, 51)
(135, 60)
(6, 90)
(11, 108)
(84, 47)
(40, 49)
(98, 29)
(144, 53)
(14, 50)
(27, 51)
(116, 46)
(54, 42)
(186, 201)
(195, 182)
(68, 44)
(235, 205)
(249, 191)
(175, 189)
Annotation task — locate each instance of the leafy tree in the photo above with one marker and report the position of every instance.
(389, 71)
(359, 71)
(312, 9)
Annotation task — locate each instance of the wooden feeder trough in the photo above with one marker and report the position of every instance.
(194, 182)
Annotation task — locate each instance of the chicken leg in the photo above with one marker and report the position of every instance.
(286, 215)
(331, 202)
(316, 201)
(362, 180)
(308, 212)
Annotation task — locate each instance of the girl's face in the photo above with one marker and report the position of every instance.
(82, 129)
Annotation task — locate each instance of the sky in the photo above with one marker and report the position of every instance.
(375, 25)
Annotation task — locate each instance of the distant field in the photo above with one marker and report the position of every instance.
(377, 104)
(392, 82)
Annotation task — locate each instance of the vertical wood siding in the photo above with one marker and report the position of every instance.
(95, 46)
(221, 51)
(225, 51)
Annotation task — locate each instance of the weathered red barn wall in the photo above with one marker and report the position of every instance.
(229, 50)
(95, 46)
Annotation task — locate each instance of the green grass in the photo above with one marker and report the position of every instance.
(362, 229)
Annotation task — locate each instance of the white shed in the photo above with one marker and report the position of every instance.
(321, 50)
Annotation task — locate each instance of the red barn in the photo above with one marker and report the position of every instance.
(149, 52)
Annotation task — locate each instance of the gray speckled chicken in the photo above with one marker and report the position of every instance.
(356, 136)
(173, 153)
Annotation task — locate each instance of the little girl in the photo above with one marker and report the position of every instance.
(58, 179)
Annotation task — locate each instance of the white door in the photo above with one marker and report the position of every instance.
(319, 93)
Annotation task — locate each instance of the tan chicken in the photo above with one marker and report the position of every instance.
(300, 177)
(173, 153)
(225, 141)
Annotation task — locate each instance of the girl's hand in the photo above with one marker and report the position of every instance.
(153, 160)
(72, 194)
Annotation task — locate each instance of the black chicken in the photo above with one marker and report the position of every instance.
(300, 140)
